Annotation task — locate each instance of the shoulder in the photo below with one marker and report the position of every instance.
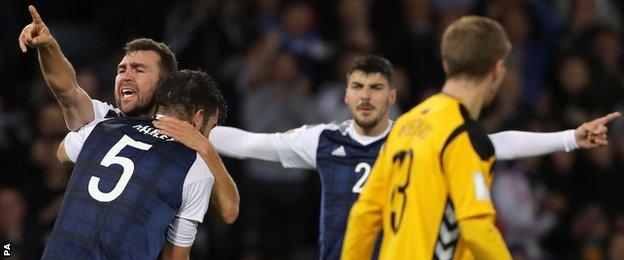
(199, 171)
(104, 110)
(477, 135)
(310, 130)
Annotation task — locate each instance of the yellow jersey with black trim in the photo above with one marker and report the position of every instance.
(433, 171)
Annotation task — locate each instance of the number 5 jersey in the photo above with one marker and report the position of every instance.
(129, 188)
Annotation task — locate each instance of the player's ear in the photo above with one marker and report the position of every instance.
(498, 71)
(198, 119)
(393, 94)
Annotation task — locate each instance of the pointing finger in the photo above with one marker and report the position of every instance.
(34, 14)
(608, 118)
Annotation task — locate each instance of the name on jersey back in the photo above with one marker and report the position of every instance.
(148, 130)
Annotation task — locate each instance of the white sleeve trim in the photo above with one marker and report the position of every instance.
(297, 148)
(100, 109)
(511, 145)
(75, 140)
(181, 232)
(196, 191)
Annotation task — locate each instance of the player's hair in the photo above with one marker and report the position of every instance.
(168, 62)
(373, 64)
(186, 91)
(472, 45)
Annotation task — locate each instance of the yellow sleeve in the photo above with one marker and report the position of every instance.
(464, 170)
(483, 239)
(365, 218)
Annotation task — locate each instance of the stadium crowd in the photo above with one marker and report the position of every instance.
(282, 64)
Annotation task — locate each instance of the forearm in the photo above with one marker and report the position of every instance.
(60, 77)
(57, 72)
(171, 252)
(483, 238)
(225, 197)
(511, 145)
(241, 144)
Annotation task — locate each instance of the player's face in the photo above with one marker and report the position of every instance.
(368, 97)
(138, 74)
(212, 123)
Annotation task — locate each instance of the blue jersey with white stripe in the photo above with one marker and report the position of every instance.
(125, 189)
(343, 165)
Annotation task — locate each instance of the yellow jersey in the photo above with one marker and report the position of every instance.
(433, 171)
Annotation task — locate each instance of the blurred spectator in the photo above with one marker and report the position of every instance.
(15, 228)
(276, 97)
(298, 34)
(590, 229)
(616, 246)
(573, 78)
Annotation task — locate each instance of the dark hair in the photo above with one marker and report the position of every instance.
(472, 45)
(187, 91)
(168, 61)
(373, 64)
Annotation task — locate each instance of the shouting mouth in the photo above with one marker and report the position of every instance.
(127, 93)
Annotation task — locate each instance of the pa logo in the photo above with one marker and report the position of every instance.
(6, 249)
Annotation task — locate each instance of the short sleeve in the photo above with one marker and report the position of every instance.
(468, 177)
(297, 148)
(75, 140)
(196, 191)
(102, 110)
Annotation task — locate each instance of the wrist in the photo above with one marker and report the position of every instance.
(49, 47)
(206, 147)
(570, 141)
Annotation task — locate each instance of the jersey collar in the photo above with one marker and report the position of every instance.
(366, 140)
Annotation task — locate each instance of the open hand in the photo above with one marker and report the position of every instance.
(182, 131)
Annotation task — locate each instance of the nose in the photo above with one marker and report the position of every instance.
(126, 75)
(366, 93)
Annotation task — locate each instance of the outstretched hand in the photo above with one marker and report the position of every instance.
(594, 134)
(182, 131)
(36, 33)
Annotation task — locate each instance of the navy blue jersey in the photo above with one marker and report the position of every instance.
(343, 165)
(343, 159)
(126, 188)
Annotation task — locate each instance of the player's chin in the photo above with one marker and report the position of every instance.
(129, 109)
(366, 121)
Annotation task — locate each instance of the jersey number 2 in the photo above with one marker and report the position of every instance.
(128, 169)
(357, 188)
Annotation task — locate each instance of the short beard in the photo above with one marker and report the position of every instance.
(139, 110)
(367, 125)
(372, 123)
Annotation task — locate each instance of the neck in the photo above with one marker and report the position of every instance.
(472, 94)
(373, 131)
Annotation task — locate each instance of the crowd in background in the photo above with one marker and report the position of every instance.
(282, 64)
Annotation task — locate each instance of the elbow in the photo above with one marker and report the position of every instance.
(474, 230)
(231, 214)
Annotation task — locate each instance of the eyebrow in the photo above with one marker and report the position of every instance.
(132, 65)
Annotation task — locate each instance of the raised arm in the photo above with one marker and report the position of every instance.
(511, 145)
(57, 72)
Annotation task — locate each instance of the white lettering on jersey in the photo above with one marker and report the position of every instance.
(144, 129)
